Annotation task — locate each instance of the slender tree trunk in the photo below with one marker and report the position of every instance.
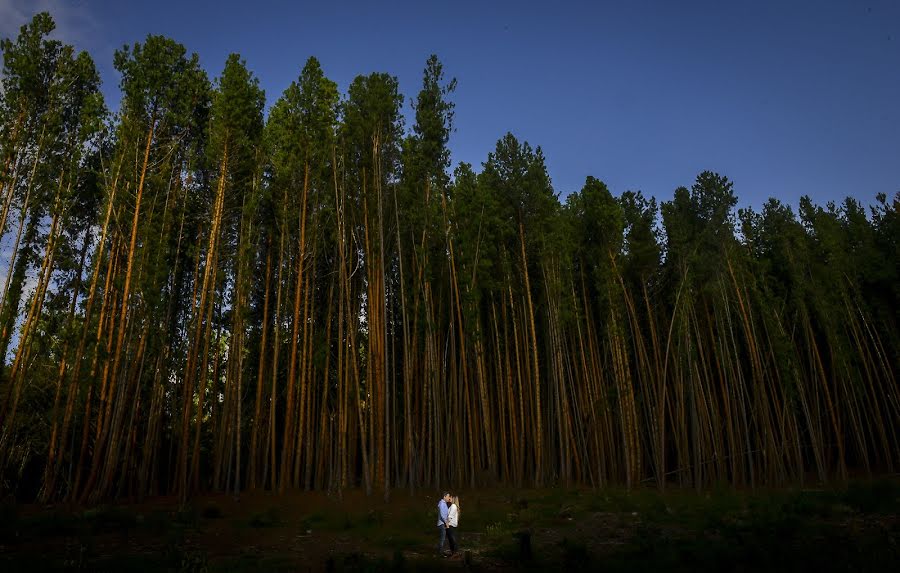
(254, 436)
(126, 291)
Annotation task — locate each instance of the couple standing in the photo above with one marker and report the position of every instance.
(448, 520)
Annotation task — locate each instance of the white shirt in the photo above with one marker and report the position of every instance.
(453, 516)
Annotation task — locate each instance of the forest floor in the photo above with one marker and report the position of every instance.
(853, 527)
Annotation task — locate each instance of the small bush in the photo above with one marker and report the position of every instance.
(9, 519)
(497, 533)
(56, 523)
(156, 521)
(398, 563)
(398, 542)
(187, 516)
(565, 512)
(374, 517)
(575, 555)
(194, 562)
(881, 496)
(110, 519)
(525, 550)
(212, 511)
(528, 517)
(268, 518)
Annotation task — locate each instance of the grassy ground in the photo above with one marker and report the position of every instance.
(850, 528)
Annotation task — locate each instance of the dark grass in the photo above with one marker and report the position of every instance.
(850, 528)
(844, 529)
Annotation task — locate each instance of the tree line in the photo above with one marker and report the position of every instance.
(201, 297)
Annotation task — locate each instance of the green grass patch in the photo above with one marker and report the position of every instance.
(401, 541)
(850, 527)
(878, 496)
(56, 523)
(212, 511)
(255, 563)
(271, 517)
(111, 519)
(187, 516)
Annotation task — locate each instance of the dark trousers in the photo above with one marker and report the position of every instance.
(451, 537)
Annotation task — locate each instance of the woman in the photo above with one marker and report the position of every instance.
(453, 522)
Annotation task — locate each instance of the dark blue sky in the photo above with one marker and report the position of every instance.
(785, 97)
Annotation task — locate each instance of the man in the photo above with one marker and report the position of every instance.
(442, 518)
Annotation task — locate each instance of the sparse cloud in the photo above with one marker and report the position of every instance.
(75, 23)
(74, 19)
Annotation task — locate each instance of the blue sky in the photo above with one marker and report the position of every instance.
(785, 98)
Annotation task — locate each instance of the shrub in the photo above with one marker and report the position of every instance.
(212, 511)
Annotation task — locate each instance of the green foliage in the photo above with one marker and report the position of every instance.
(269, 518)
(598, 223)
(236, 118)
(29, 63)
(160, 83)
(212, 511)
(517, 174)
(300, 131)
(429, 157)
(641, 246)
(699, 227)
(371, 123)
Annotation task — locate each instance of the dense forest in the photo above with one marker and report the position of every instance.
(199, 295)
